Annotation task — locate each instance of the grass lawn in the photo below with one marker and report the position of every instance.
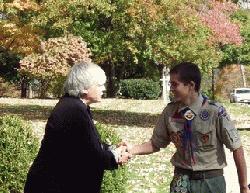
(134, 121)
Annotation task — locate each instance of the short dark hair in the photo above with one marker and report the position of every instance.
(188, 72)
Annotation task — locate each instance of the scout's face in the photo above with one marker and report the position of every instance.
(181, 91)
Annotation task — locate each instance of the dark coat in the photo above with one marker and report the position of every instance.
(71, 158)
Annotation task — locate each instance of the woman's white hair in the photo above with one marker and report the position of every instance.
(82, 76)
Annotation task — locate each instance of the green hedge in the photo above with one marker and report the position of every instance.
(140, 89)
(18, 147)
(114, 181)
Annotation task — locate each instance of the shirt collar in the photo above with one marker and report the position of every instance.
(195, 106)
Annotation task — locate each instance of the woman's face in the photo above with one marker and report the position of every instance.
(94, 93)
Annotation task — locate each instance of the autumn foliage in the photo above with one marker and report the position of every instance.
(216, 15)
(57, 56)
(127, 38)
(229, 79)
(17, 35)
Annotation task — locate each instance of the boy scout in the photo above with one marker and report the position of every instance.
(198, 128)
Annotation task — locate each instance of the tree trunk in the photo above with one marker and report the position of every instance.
(44, 88)
(109, 69)
(24, 85)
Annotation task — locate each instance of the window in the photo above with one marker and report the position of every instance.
(242, 91)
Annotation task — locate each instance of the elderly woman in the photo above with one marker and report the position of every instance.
(71, 158)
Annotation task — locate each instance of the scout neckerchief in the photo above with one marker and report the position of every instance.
(189, 116)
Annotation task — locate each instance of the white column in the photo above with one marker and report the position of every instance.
(242, 70)
(165, 86)
(30, 91)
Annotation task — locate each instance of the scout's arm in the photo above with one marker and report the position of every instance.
(143, 149)
(159, 139)
(231, 138)
(240, 163)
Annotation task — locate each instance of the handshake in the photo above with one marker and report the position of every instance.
(122, 153)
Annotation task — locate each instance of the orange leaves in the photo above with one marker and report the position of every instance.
(16, 35)
(56, 57)
(23, 5)
(18, 39)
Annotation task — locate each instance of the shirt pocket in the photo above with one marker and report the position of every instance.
(176, 132)
(205, 136)
(176, 125)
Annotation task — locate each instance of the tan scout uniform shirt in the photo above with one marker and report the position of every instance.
(211, 128)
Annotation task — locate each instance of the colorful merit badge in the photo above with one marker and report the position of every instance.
(204, 115)
(205, 138)
(189, 115)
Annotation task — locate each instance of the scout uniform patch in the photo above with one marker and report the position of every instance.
(205, 138)
(222, 111)
(189, 115)
(176, 138)
(204, 115)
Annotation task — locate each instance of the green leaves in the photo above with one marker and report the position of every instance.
(142, 31)
(130, 36)
(140, 89)
(239, 54)
(114, 181)
(18, 147)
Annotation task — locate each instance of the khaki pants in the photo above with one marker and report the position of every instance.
(182, 184)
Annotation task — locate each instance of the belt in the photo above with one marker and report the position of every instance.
(198, 175)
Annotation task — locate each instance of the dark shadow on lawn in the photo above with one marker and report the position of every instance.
(28, 112)
(113, 117)
(125, 118)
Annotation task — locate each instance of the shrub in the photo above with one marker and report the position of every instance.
(115, 180)
(18, 148)
(8, 89)
(56, 86)
(140, 89)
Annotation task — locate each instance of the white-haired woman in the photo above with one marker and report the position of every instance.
(71, 158)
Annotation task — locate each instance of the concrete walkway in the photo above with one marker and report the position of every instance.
(230, 172)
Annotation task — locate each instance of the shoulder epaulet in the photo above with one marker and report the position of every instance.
(172, 102)
(214, 103)
(171, 105)
(219, 108)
